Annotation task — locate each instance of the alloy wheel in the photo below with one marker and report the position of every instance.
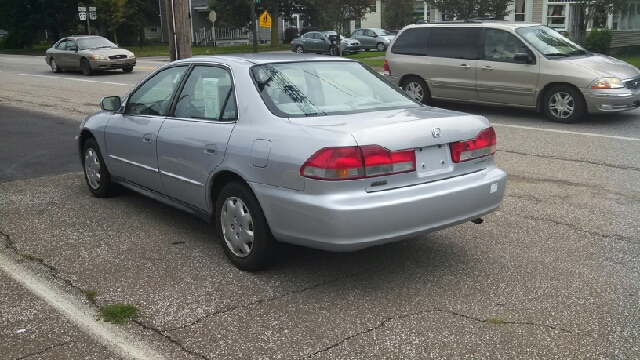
(561, 105)
(92, 168)
(415, 91)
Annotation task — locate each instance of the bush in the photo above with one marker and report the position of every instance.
(599, 40)
(290, 33)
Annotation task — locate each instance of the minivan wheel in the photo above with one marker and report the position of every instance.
(417, 89)
(242, 228)
(380, 47)
(563, 104)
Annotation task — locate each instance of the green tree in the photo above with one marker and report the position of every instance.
(470, 9)
(397, 14)
(23, 19)
(136, 15)
(110, 15)
(597, 9)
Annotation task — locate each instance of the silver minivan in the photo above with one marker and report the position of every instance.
(510, 63)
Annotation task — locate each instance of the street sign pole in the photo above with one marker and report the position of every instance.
(255, 25)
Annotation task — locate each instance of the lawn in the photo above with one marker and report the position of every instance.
(633, 60)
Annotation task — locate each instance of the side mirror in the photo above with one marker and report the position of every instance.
(74, 48)
(111, 103)
(523, 58)
(375, 35)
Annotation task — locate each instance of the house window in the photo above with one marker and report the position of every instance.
(519, 10)
(358, 24)
(556, 16)
(153, 29)
(372, 7)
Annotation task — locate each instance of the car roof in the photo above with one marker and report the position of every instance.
(478, 23)
(262, 58)
(83, 36)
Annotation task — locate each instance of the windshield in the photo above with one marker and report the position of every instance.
(549, 42)
(381, 32)
(94, 43)
(326, 87)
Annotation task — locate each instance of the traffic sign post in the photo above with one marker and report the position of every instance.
(82, 14)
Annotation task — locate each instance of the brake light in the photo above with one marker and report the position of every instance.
(483, 145)
(357, 162)
(387, 70)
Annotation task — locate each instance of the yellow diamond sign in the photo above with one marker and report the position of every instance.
(265, 19)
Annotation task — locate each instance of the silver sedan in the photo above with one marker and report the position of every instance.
(311, 150)
(88, 53)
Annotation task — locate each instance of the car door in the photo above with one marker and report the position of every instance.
(452, 53)
(308, 42)
(502, 79)
(69, 54)
(193, 142)
(357, 35)
(367, 39)
(322, 43)
(57, 50)
(131, 136)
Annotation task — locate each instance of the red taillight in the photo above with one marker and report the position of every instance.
(355, 162)
(387, 70)
(483, 145)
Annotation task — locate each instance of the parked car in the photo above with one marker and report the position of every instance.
(510, 63)
(322, 42)
(88, 54)
(373, 38)
(311, 150)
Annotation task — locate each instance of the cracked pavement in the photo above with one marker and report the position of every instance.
(554, 273)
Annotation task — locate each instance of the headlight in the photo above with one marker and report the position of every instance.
(131, 56)
(607, 83)
(99, 57)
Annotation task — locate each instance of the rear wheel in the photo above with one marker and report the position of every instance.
(417, 89)
(127, 69)
(95, 171)
(380, 47)
(54, 65)
(563, 104)
(299, 49)
(86, 67)
(242, 228)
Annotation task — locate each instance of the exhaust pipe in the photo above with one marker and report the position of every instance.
(477, 221)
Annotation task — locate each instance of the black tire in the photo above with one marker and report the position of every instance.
(380, 47)
(367, 50)
(86, 67)
(299, 49)
(257, 249)
(417, 89)
(333, 50)
(54, 65)
(99, 181)
(127, 69)
(563, 104)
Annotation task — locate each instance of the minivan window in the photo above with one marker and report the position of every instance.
(549, 42)
(412, 42)
(500, 45)
(455, 43)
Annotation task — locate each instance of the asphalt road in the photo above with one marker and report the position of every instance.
(555, 273)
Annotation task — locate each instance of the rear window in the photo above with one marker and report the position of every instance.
(455, 43)
(412, 42)
(320, 88)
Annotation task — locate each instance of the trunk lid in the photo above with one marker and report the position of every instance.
(427, 130)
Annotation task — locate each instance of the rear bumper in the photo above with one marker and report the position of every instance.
(356, 220)
(111, 64)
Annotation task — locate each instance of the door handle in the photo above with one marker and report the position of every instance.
(487, 68)
(146, 138)
(465, 66)
(210, 149)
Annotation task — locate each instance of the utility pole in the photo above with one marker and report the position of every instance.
(254, 24)
(179, 30)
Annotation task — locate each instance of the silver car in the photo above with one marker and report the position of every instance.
(311, 150)
(88, 54)
(373, 38)
(510, 63)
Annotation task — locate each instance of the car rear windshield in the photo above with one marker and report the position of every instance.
(94, 43)
(301, 89)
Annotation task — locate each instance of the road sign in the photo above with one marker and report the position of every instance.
(82, 9)
(82, 15)
(92, 15)
(92, 8)
(265, 19)
(212, 16)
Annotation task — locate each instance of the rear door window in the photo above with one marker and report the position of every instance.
(412, 42)
(455, 42)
